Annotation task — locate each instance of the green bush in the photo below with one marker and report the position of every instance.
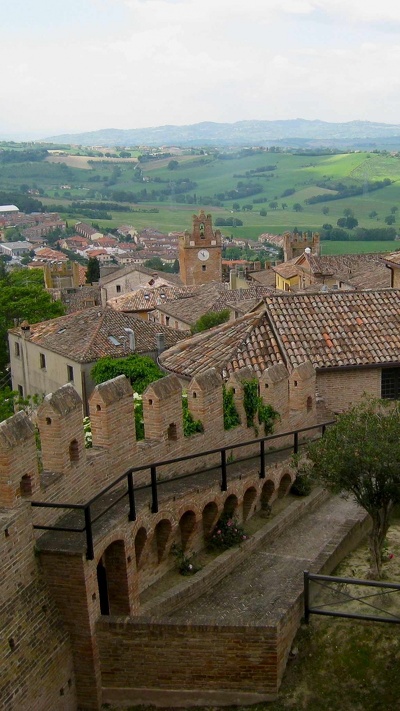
(190, 425)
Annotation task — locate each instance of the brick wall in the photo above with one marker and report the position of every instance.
(51, 612)
(343, 389)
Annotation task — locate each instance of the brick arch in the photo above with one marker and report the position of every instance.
(267, 493)
(230, 505)
(162, 534)
(248, 499)
(284, 485)
(112, 580)
(140, 542)
(209, 518)
(187, 525)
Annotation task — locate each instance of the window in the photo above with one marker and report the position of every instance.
(390, 383)
(118, 288)
(70, 374)
(17, 350)
(203, 267)
(172, 432)
(42, 359)
(167, 320)
(25, 486)
(74, 451)
(21, 390)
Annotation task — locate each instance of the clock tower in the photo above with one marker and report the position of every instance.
(200, 259)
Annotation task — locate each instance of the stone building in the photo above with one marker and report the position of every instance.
(351, 339)
(44, 356)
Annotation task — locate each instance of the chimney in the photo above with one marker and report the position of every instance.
(232, 279)
(160, 342)
(132, 341)
(25, 328)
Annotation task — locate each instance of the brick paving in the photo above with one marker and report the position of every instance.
(261, 589)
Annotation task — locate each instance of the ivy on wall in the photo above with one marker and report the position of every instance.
(231, 415)
(254, 405)
(190, 425)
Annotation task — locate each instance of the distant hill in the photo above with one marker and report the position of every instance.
(297, 133)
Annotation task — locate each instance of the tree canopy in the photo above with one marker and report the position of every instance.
(23, 296)
(210, 319)
(140, 370)
(93, 270)
(360, 455)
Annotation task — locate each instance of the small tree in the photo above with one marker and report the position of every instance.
(360, 456)
(390, 219)
(93, 270)
(210, 319)
(140, 370)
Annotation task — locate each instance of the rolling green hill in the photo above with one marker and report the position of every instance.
(269, 191)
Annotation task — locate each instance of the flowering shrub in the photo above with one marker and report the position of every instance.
(139, 421)
(185, 563)
(87, 428)
(227, 533)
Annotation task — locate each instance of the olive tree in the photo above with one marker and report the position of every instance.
(360, 456)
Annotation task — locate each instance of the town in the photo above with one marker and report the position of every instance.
(157, 409)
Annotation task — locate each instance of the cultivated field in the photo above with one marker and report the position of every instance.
(267, 191)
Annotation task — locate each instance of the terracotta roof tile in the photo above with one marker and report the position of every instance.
(149, 298)
(227, 348)
(334, 329)
(85, 336)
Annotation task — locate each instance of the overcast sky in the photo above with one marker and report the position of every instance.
(82, 65)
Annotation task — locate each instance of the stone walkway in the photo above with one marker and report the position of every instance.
(262, 588)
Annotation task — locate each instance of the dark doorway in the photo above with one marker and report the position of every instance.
(103, 588)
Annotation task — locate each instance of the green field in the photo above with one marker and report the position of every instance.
(358, 247)
(212, 176)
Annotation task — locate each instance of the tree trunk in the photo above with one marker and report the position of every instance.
(380, 526)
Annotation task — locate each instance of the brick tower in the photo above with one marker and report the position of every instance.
(200, 258)
(294, 244)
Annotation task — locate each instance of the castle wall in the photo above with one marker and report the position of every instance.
(52, 603)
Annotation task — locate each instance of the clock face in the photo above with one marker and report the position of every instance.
(203, 255)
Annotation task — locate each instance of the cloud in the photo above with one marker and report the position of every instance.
(182, 61)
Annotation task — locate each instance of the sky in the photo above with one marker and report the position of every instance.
(83, 65)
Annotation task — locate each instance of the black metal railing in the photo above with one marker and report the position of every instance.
(350, 597)
(88, 509)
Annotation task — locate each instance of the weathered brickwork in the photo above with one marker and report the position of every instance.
(52, 595)
(345, 389)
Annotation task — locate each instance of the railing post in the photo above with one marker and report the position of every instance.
(224, 481)
(262, 459)
(89, 534)
(295, 442)
(131, 495)
(306, 597)
(154, 493)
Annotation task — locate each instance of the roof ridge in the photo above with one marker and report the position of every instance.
(96, 330)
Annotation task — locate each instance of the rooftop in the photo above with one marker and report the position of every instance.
(152, 273)
(149, 298)
(248, 340)
(333, 329)
(85, 336)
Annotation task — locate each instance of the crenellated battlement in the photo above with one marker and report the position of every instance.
(46, 461)
(69, 472)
